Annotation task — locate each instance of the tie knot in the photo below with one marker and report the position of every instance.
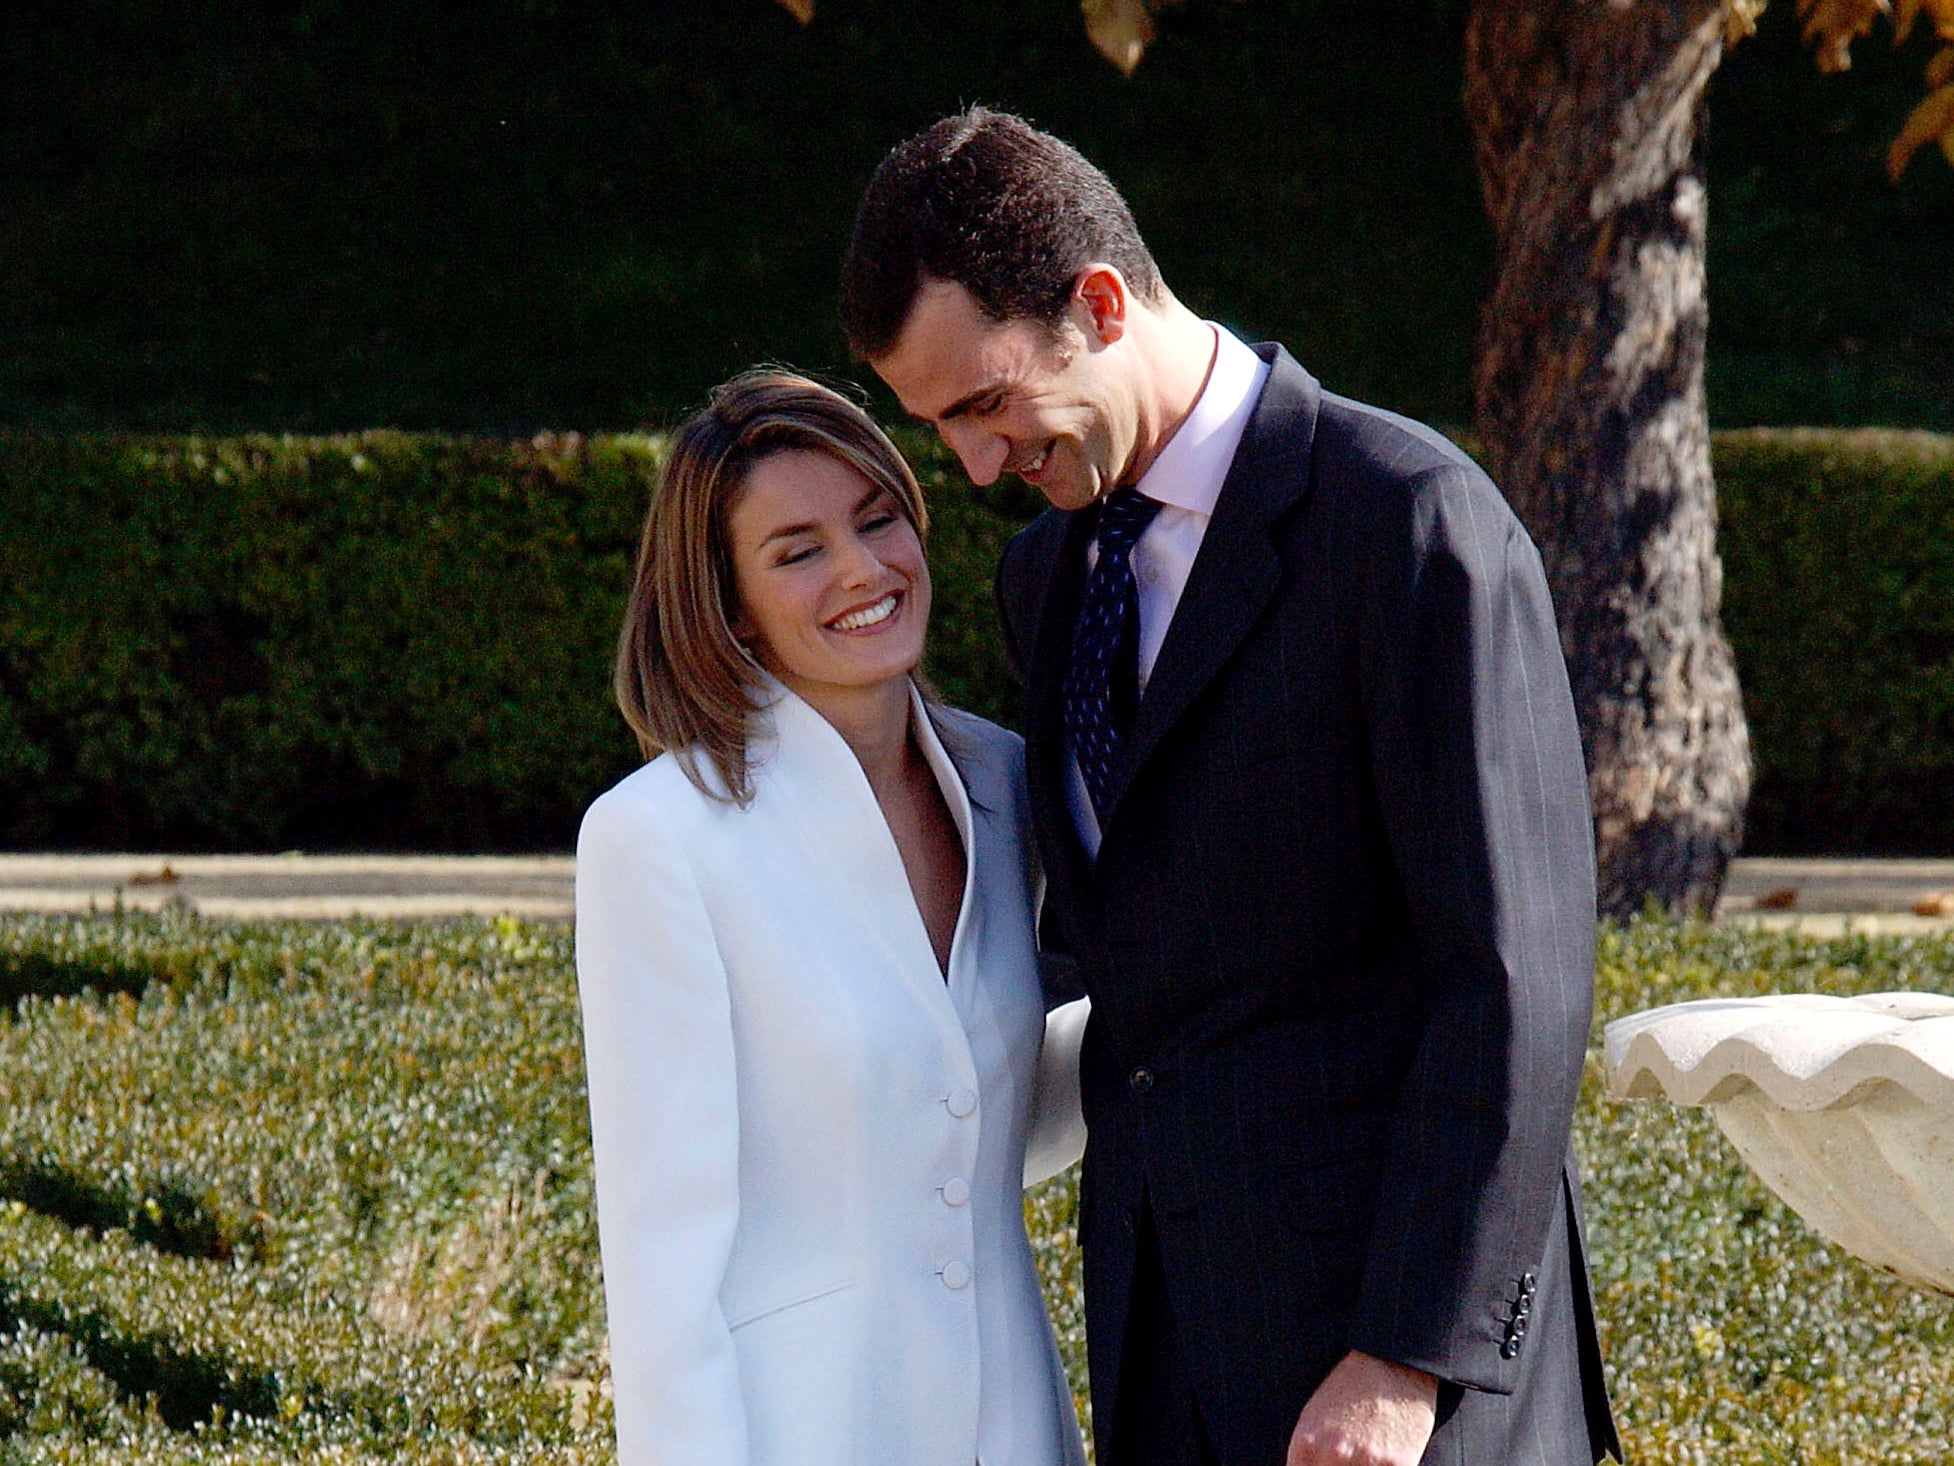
(1123, 518)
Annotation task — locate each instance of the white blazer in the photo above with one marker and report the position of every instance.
(810, 1149)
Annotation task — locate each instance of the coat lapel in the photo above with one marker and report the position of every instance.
(1237, 569)
(812, 782)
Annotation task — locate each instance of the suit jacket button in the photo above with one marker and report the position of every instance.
(1518, 1328)
(1510, 1349)
(1523, 1305)
(1141, 1080)
(1527, 1282)
(961, 1103)
(956, 1191)
(956, 1275)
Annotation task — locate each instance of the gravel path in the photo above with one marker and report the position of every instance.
(1816, 895)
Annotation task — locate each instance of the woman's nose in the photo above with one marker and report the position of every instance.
(860, 565)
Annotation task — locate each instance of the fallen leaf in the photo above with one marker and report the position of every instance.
(1740, 19)
(164, 877)
(1932, 121)
(1906, 12)
(1121, 30)
(1782, 900)
(1933, 905)
(1940, 71)
(1831, 26)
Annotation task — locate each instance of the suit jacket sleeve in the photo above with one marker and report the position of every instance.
(1479, 775)
(658, 1047)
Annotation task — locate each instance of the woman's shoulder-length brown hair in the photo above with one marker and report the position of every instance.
(684, 682)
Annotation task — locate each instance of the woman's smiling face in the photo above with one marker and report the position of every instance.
(832, 588)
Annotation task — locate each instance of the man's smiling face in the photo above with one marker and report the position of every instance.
(1015, 396)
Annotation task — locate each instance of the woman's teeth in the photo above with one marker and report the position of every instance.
(1032, 465)
(882, 610)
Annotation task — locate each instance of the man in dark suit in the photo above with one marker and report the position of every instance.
(1310, 796)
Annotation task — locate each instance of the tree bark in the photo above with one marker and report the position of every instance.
(1587, 121)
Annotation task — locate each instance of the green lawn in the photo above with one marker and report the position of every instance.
(323, 1193)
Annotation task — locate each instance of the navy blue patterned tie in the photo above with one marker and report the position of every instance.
(1108, 613)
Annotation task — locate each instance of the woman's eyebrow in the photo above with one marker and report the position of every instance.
(787, 531)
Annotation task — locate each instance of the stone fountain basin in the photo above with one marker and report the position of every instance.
(1843, 1106)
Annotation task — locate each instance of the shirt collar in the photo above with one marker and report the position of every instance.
(1189, 471)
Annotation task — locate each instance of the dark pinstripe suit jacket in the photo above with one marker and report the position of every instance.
(1339, 942)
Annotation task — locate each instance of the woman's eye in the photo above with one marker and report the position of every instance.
(797, 554)
(878, 522)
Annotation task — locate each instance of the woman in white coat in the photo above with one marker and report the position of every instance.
(812, 1016)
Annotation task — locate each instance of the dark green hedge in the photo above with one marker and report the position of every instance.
(403, 641)
(379, 640)
(260, 642)
(1838, 552)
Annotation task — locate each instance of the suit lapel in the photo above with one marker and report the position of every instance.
(1237, 569)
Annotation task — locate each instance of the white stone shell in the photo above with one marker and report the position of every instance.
(1843, 1106)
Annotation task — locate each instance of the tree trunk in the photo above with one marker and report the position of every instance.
(1587, 122)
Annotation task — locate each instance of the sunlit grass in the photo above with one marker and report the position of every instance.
(322, 1194)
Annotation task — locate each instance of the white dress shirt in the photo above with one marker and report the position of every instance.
(1186, 479)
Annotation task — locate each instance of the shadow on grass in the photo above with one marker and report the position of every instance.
(26, 975)
(188, 1389)
(169, 1217)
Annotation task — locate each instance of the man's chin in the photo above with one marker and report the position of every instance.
(1065, 494)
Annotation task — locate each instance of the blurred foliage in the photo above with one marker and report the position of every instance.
(394, 641)
(1838, 555)
(1122, 30)
(375, 640)
(519, 215)
(1831, 27)
(1823, 307)
(266, 641)
(385, 1128)
(551, 214)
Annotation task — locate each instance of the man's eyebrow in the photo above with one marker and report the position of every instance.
(788, 531)
(969, 400)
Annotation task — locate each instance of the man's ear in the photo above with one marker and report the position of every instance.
(1099, 296)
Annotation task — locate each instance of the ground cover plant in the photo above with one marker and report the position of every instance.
(323, 1194)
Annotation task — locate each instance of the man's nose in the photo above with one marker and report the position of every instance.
(982, 454)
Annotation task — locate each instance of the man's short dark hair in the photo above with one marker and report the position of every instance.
(986, 201)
